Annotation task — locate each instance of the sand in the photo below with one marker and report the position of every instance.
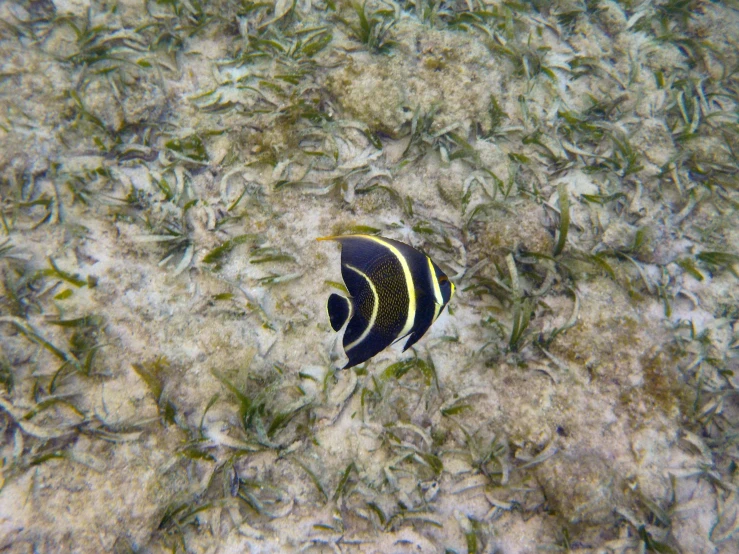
(169, 379)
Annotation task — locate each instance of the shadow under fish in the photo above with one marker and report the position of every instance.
(395, 291)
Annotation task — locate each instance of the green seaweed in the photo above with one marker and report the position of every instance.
(153, 374)
(564, 220)
(378, 512)
(522, 311)
(496, 114)
(216, 255)
(269, 255)
(314, 479)
(7, 377)
(281, 419)
(455, 410)
(29, 332)
(63, 295)
(688, 264)
(719, 261)
(208, 406)
(652, 545)
(190, 147)
(372, 29)
(339, 492)
(398, 369)
(72, 279)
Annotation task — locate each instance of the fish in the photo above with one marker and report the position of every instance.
(395, 292)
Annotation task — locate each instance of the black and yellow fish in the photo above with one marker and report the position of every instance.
(395, 292)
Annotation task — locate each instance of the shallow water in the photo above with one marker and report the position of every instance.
(168, 375)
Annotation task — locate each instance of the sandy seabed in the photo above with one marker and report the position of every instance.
(168, 376)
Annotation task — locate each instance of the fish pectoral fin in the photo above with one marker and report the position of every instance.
(339, 310)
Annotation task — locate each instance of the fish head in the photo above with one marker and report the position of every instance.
(446, 287)
(443, 287)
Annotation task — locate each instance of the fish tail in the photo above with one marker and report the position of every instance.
(339, 310)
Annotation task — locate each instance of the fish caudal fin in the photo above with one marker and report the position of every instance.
(339, 310)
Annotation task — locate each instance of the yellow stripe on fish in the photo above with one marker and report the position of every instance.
(375, 307)
(411, 315)
(437, 290)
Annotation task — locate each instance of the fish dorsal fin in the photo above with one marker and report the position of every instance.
(339, 310)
